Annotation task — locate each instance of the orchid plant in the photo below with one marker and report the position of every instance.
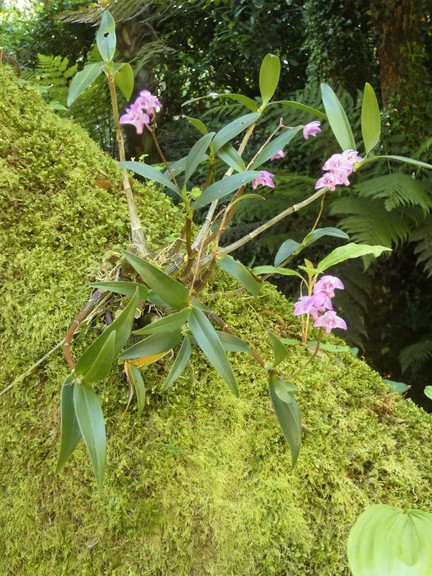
(175, 287)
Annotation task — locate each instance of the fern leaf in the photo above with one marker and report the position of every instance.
(423, 237)
(414, 356)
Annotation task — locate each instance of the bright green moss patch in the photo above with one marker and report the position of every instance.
(201, 484)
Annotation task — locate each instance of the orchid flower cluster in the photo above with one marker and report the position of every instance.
(140, 112)
(319, 304)
(338, 167)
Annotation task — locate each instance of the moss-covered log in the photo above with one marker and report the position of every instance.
(202, 483)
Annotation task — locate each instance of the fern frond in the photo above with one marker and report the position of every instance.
(423, 237)
(396, 190)
(414, 356)
(367, 221)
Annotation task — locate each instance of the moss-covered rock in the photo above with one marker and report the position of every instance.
(201, 484)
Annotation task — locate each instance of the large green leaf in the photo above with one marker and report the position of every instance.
(337, 118)
(288, 415)
(106, 37)
(152, 347)
(124, 288)
(398, 159)
(122, 326)
(197, 154)
(170, 323)
(83, 80)
(269, 78)
(169, 289)
(320, 232)
(245, 100)
(180, 362)
(300, 106)
(91, 423)
(228, 154)
(234, 128)
(124, 78)
(150, 173)
(209, 342)
(370, 119)
(70, 431)
(342, 253)
(101, 364)
(286, 249)
(224, 187)
(239, 271)
(387, 542)
(274, 146)
(232, 343)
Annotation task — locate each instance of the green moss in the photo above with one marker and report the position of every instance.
(201, 484)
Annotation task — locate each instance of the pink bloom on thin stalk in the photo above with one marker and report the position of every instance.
(280, 154)
(313, 305)
(311, 129)
(265, 179)
(149, 102)
(327, 285)
(135, 116)
(330, 320)
(339, 167)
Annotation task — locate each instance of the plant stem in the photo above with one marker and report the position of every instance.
(137, 233)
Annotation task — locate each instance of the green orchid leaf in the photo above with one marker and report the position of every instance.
(125, 79)
(286, 249)
(370, 119)
(196, 155)
(151, 174)
(428, 392)
(403, 159)
(239, 271)
(124, 288)
(170, 323)
(342, 253)
(122, 326)
(209, 342)
(233, 129)
(299, 106)
(274, 146)
(137, 382)
(180, 363)
(198, 124)
(279, 350)
(261, 270)
(101, 365)
(284, 389)
(152, 348)
(232, 343)
(269, 78)
(245, 100)
(83, 80)
(91, 423)
(224, 187)
(320, 232)
(70, 431)
(106, 37)
(170, 290)
(399, 387)
(228, 154)
(288, 415)
(385, 541)
(337, 118)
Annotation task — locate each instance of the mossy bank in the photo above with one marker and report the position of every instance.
(201, 484)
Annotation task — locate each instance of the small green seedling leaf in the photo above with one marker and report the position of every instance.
(70, 431)
(209, 342)
(370, 119)
(91, 423)
(337, 118)
(385, 541)
(169, 289)
(233, 129)
(399, 387)
(279, 350)
(125, 80)
(170, 323)
(180, 362)
(428, 392)
(224, 187)
(151, 173)
(136, 380)
(106, 37)
(288, 415)
(239, 271)
(269, 78)
(342, 253)
(83, 80)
